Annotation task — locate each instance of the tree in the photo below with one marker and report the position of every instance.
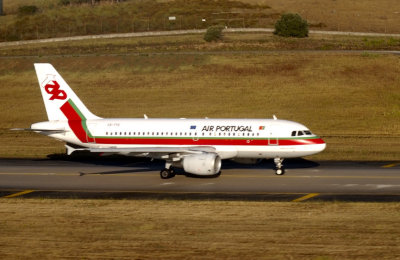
(291, 25)
(213, 33)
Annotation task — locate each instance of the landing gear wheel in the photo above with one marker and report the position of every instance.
(279, 171)
(167, 173)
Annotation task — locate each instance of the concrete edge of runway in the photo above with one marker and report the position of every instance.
(211, 196)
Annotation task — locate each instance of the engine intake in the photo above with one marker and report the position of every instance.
(202, 164)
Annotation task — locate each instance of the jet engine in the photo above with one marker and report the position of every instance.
(202, 164)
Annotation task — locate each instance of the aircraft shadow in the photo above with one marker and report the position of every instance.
(140, 165)
(293, 163)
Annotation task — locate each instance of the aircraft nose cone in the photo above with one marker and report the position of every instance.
(322, 146)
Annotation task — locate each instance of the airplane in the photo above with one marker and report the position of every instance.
(196, 145)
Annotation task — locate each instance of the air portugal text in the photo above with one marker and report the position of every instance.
(224, 128)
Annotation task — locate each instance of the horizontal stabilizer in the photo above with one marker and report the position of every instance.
(50, 131)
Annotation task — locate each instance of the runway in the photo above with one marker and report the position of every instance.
(125, 178)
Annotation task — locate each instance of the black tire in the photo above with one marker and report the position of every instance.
(166, 174)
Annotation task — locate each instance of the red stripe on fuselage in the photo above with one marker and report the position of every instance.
(75, 123)
(156, 141)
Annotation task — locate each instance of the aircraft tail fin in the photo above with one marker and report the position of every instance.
(59, 99)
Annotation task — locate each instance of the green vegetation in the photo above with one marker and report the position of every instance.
(291, 25)
(27, 10)
(213, 33)
(159, 229)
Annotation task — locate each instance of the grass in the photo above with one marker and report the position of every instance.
(232, 42)
(152, 229)
(352, 100)
(343, 15)
(54, 20)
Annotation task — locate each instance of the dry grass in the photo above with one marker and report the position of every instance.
(11, 6)
(333, 94)
(148, 229)
(343, 15)
(184, 43)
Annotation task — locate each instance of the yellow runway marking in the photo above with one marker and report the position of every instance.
(306, 197)
(390, 165)
(18, 194)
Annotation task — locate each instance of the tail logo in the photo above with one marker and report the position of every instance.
(55, 91)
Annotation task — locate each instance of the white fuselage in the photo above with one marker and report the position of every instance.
(231, 138)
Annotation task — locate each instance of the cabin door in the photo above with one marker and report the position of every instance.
(273, 136)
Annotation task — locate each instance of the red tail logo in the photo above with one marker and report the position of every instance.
(55, 91)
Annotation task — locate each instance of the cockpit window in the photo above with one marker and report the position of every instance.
(301, 133)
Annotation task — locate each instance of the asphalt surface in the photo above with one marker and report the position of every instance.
(132, 178)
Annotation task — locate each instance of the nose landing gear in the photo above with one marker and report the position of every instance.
(279, 170)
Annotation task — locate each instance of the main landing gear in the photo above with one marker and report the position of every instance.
(279, 170)
(168, 172)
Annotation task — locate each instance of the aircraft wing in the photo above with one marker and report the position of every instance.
(156, 152)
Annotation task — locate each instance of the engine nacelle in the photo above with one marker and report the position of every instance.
(202, 164)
